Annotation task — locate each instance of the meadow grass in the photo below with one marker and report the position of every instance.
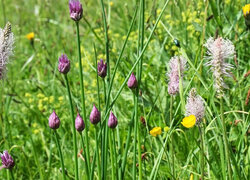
(136, 36)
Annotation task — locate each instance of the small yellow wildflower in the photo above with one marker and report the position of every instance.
(189, 121)
(30, 36)
(156, 131)
(45, 99)
(111, 3)
(27, 95)
(60, 98)
(166, 129)
(30, 100)
(246, 10)
(40, 95)
(51, 99)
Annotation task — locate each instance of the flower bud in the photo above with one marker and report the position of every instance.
(63, 64)
(95, 115)
(75, 10)
(7, 160)
(54, 121)
(79, 123)
(102, 69)
(132, 82)
(112, 123)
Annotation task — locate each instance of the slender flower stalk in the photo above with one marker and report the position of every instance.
(172, 138)
(54, 123)
(73, 127)
(195, 107)
(82, 93)
(218, 51)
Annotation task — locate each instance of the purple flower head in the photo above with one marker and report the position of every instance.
(195, 106)
(102, 69)
(79, 123)
(218, 51)
(75, 10)
(95, 115)
(112, 123)
(7, 160)
(132, 82)
(175, 64)
(54, 121)
(63, 64)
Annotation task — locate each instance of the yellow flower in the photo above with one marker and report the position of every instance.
(27, 94)
(156, 131)
(51, 99)
(40, 95)
(111, 3)
(246, 10)
(189, 121)
(191, 176)
(166, 129)
(30, 36)
(61, 98)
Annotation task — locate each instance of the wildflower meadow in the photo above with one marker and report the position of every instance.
(132, 89)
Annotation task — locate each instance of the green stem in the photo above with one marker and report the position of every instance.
(124, 159)
(202, 153)
(60, 154)
(4, 15)
(73, 127)
(181, 86)
(114, 152)
(12, 175)
(225, 139)
(172, 137)
(82, 94)
(97, 153)
(135, 138)
(84, 152)
(112, 157)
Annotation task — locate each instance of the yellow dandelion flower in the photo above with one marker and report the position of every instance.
(155, 131)
(246, 10)
(166, 129)
(30, 36)
(189, 121)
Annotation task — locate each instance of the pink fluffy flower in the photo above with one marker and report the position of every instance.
(195, 106)
(218, 51)
(175, 63)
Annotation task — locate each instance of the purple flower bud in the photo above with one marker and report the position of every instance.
(75, 10)
(112, 123)
(102, 69)
(95, 115)
(63, 64)
(79, 123)
(7, 160)
(132, 82)
(54, 121)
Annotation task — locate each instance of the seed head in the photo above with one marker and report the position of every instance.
(218, 51)
(6, 48)
(176, 63)
(7, 160)
(75, 10)
(195, 106)
(112, 123)
(63, 64)
(95, 115)
(102, 69)
(79, 123)
(54, 121)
